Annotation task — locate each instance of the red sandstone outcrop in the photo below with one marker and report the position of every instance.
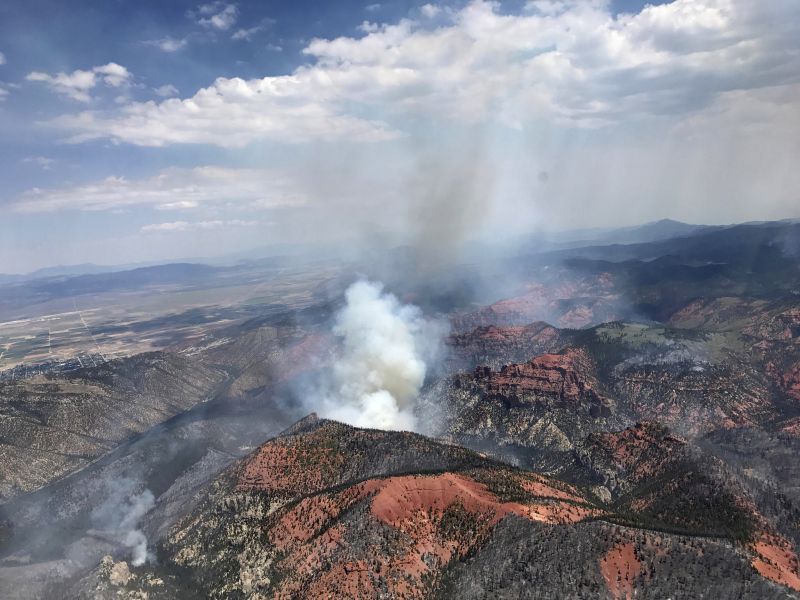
(567, 377)
(496, 345)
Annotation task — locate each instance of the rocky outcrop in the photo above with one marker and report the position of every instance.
(626, 458)
(495, 345)
(528, 413)
(564, 378)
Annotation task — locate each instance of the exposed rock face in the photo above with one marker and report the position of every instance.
(770, 329)
(791, 380)
(120, 574)
(696, 400)
(654, 475)
(495, 346)
(566, 377)
(529, 413)
(115, 581)
(608, 377)
(635, 455)
(790, 427)
(780, 326)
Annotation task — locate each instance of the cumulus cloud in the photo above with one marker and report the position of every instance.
(77, 84)
(169, 189)
(216, 15)
(166, 91)
(181, 226)
(232, 113)
(575, 64)
(113, 74)
(430, 11)
(382, 367)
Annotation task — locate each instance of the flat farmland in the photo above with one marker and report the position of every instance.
(69, 328)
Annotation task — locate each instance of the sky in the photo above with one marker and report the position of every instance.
(150, 130)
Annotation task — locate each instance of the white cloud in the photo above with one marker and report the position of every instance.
(166, 91)
(430, 11)
(42, 161)
(216, 15)
(549, 7)
(570, 63)
(179, 205)
(113, 74)
(232, 113)
(170, 189)
(180, 226)
(2, 58)
(3, 94)
(77, 84)
(248, 33)
(168, 44)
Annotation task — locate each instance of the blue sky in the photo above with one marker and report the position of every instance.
(138, 131)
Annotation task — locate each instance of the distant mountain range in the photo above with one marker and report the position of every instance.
(657, 230)
(649, 232)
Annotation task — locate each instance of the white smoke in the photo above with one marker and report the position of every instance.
(380, 372)
(120, 514)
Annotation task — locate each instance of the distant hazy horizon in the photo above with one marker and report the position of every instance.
(266, 251)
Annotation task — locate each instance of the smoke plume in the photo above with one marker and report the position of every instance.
(385, 345)
(120, 514)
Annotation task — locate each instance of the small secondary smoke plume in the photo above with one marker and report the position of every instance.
(120, 514)
(385, 345)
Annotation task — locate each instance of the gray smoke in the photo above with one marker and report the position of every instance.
(119, 516)
(386, 346)
(449, 197)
